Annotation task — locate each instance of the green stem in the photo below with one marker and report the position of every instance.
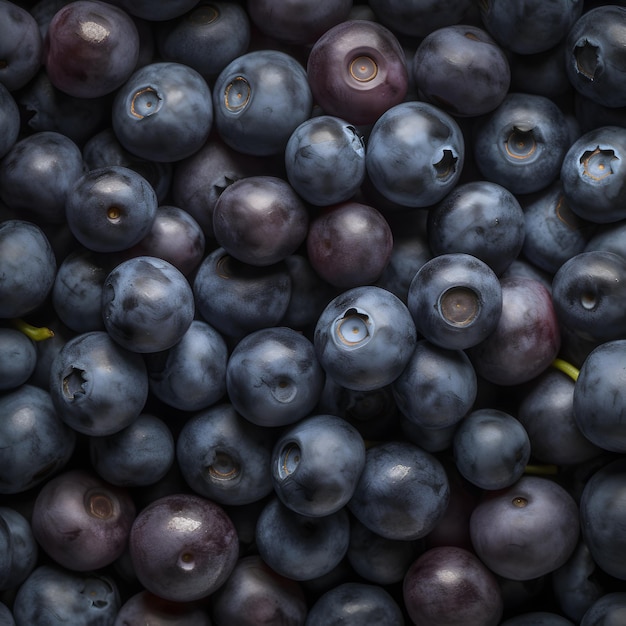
(566, 368)
(542, 469)
(36, 333)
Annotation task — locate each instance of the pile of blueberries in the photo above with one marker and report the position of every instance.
(312, 312)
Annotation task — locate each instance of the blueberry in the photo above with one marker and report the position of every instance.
(36, 442)
(147, 304)
(402, 493)
(298, 546)
(537, 618)
(82, 522)
(610, 608)
(138, 455)
(19, 549)
(491, 449)
(183, 547)
(27, 267)
(259, 99)
(462, 70)
(325, 160)
(254, 592)
(224, 457)
(191, 375)
(364, 338)
(111, 208)
(357, 71)
(455, 300)
(526, 530)
(97, 386)
(148, 607)
(273, 376)
(90, 598)
(355, 604)
(415, 154)
(147, 10)
(316, 464)
(18, 358)
(164, 112)
(9, 120)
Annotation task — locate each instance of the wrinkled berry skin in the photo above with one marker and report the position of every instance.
(147, 304)
(364, 338)
(259, 99)
(183, 547)
(82, 522)
(415, 154)
(164, 112)
(357, 70)
(595, 55)
(91, 48)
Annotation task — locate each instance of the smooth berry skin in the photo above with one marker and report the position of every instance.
(372, 78)
(491, 449)
(147, 10)
(206, 38)
(36, 442)
(163, 112)
(450, 586)
(82, 522)
(147, 607)
(461, 69)
(97, 386)
(27, 267)
(19, 549)
(325, 160)
(593, 175)
(587, 292)
(455, 300)
(88, 597)
(191, 375)
(364, 338)
(183, 547)
(316, 464)
(602, 513)
(21, 46)
(437, 388)
(526, 339)
(9, 120)
(297, 21)
(349, 244)
(175, 237)
(37, 174)
(594, 55)
(273, 376)
(402, 493)
(354, 603)
(224, 457)
(527, 530)
(238, 298)
(147, 304)
(522, 143)
(259, 99)
(140, 454)
(91, 48)
(254, 593)
(553, 232)
(611, 607)
(111, 208)
(547, 413)
(599, 406)
(529, 26)
(480, 218)
(18, 358)
(415, 154)
(301, 547)
(260, 220)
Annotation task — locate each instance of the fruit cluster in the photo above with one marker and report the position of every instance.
(312, 313)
